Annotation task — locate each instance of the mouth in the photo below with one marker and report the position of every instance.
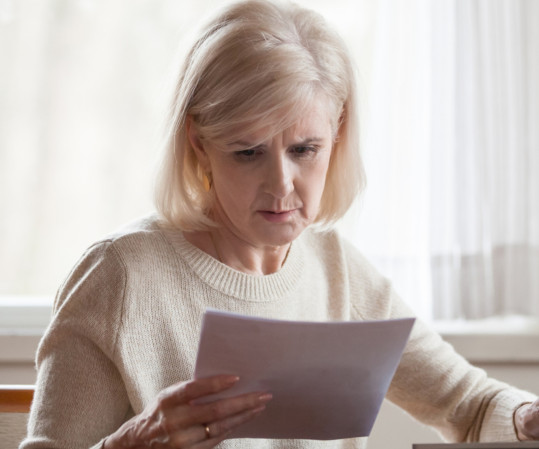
(274, 216)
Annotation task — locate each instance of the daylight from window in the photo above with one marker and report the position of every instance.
(450, 139)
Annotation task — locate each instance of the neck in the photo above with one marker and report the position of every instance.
(246, 258)
(238, 254)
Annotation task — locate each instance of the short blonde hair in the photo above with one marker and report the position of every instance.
(259, 64)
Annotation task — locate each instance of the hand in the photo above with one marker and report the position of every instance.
(527, 421)
(173, 420)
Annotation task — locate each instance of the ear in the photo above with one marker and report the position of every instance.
(196, 144)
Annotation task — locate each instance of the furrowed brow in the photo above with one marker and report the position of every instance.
(310, 140)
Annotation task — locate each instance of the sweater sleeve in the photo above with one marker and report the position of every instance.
(440, 388)
(433, 383)
(80, 397)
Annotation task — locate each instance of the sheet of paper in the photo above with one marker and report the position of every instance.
(328, 379)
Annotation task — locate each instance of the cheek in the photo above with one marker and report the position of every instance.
(313, 185)
(320, 175)
(233, 193)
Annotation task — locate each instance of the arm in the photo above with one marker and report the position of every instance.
(433, 383)
(440, 388)
(80, 395)
(81, 400)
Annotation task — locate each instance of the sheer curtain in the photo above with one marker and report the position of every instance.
(452, 154)
(84, 86)
(450, 109)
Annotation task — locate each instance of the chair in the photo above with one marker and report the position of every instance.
(15, 401)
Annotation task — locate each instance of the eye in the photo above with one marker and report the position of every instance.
(305, 151)
(246, 155)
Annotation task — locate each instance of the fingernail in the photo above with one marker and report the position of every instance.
(258, 410)
(231, 380)
(265, 397)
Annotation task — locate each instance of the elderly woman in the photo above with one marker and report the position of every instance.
(262, 157)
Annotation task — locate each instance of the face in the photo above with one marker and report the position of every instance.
(269, 191)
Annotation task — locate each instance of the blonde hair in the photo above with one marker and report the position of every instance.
(259, 64)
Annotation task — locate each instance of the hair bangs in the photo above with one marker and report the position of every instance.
(265, 115)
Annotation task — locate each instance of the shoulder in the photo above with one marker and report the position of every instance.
(104, 266)
(371, 294)
(140, 231)
(136, 243)
(331, 245)
(340, 254)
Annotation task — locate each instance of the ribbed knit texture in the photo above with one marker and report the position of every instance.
(127, 321)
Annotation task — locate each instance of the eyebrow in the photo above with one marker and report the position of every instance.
(306, 141)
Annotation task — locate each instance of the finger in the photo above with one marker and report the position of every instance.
(209, 444)
(227, 425)
(223, 408)
(189, 437)
(186, 392)
(221, 430)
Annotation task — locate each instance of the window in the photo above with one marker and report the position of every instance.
(449, 125)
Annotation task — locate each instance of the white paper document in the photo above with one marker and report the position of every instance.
(328, 379)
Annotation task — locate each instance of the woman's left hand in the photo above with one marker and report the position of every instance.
(527, 421)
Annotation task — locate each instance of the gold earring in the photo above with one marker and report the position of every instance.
(208, 181)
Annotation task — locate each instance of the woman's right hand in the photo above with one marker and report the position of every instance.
(175, 420)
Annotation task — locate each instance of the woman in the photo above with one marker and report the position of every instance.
(262, 159)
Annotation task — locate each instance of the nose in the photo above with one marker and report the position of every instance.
(279, 177)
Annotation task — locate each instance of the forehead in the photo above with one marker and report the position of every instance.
(314, 122)
(308, 120)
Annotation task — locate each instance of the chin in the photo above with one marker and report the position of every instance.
(281, 237)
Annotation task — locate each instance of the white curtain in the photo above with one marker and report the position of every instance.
(450, 124)
(452, 154)
(84, 86)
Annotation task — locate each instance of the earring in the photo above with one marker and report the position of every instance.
(207, 181)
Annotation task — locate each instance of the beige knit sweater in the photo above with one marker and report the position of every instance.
(127, 321)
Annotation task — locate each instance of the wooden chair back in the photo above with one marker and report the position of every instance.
(15, 402)
(16, 398)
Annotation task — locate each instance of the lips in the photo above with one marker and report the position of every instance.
(277, 216)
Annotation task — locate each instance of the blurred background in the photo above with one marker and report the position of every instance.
(450, 137)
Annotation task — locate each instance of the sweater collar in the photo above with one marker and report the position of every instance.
(235, 283)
